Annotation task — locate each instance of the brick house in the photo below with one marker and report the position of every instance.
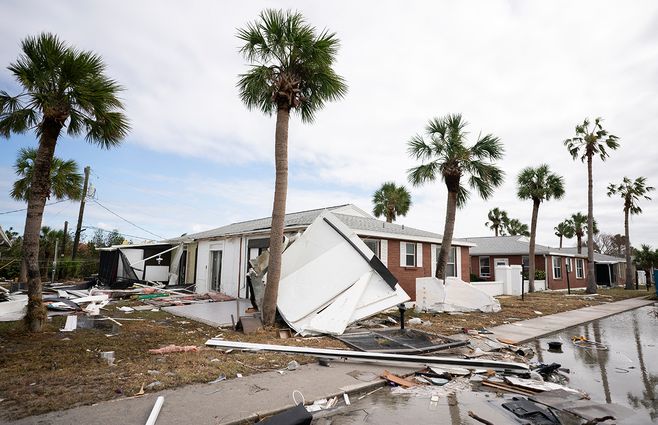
(218, 259)
(514, 250)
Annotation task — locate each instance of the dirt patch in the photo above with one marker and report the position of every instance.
(58, 370)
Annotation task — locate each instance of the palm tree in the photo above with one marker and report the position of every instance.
(497, 221)
(630, 191)
(446, 156)
(291, 70)
(564, 230)
(580, 223)
(64, 90)
(538, 184)
(391, 201)
(590, 140)
(65, 180)
(515, 228)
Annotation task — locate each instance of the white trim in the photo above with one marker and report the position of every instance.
(412, 238)
(505, 260)
(553, 258)
(403, 254)
(383, 248)
(433, 257)
(419, 255)
(458, 261)
(581, 261)
(480, 265)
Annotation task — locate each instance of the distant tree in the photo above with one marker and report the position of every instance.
(514, 227)
(537, 184)
(447, 157)
(98, 239)
(391, 201)
(114, 238)
(590, 140)
(65, 180)
(610, 244)
(646, 259)
(291, 69)
(580, 223)
(564, 230)
(631, 191)
(63, 90)
(497, 221)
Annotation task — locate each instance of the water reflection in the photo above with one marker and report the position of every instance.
(649, 380)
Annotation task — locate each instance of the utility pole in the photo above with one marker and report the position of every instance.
(52, 279)
(76, 240)
(66, 229)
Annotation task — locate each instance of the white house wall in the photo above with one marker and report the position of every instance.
(230, 282)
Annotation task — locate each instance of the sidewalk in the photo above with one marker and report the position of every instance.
(243, 399)
(526, 330)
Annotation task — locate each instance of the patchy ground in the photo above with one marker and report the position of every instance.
(59, 370)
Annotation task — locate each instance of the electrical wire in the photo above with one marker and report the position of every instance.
(24, 209)
(126, 220)
(111, 231)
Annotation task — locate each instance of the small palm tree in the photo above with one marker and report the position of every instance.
(539, 185)
(631, 191)
(447, 157)
(497, 221)
(590, 140)
(580, 223)
(291, 70)
(391, 201)
(564, 230)
(515, 228)
(64, 90)
(65, 180)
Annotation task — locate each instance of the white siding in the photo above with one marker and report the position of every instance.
(419, 255)
(383, 251)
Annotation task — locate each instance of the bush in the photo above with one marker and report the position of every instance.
(476, 278)
(540, 275)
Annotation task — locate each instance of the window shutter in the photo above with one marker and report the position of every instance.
(403, 254)
(419, 255)
(383, 251)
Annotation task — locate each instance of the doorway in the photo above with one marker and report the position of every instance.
(215, 270)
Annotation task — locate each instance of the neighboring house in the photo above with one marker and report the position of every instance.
(514, 250)
(218, 259)
(608, 270)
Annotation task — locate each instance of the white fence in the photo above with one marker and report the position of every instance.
(508, 282)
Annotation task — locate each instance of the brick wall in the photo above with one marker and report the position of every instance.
(466, 267)
(512, 260)
(407, 275)
(562, 282)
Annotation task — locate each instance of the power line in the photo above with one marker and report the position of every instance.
(111, 231)
(24, 209)
(126, 220)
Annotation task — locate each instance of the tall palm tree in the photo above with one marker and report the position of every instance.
(565, 230)
(391, 201)
(446, 156)
(515, 228)
(65, 180)
(580, 223)
(291, 70)
(537, 184)
(630, 191)
(497, 220)
(64, 90)
(590, 140)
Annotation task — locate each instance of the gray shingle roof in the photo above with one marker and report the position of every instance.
(598, 258)
(512, 245)
(305, 218)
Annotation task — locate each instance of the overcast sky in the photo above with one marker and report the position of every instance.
(196, 158)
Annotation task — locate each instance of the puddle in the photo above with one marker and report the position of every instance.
(625, 374)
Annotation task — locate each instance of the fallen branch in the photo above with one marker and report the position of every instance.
(479, 419)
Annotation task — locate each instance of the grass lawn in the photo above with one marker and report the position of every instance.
(58, 370)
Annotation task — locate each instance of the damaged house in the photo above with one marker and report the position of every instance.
(217, 260)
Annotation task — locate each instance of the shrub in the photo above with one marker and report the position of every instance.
(540, 275)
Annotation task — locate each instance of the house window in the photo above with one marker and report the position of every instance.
(525, 263)
(557, 267)
(374, 245)
(410, 255)
(485, 267)
(451, 267)
(580, 268)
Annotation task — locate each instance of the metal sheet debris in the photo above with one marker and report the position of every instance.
(401, 359)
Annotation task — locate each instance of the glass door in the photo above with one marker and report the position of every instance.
(215, 270)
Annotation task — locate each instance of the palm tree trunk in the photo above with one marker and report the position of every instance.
(496, 230)
(448, 230)
(560, 241)
(591, 279)
(278, 216)
(39, 189)
(531, 250)
(579, 241)
(629, 271)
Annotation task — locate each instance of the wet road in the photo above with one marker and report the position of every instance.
(625, 374)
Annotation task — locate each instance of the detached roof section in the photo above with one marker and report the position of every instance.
(515, 245)
(355, 218)
(4, 239)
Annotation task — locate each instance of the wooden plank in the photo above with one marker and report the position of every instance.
(507, 388)
(398, 380)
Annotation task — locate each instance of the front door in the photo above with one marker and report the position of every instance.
(215, 270)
